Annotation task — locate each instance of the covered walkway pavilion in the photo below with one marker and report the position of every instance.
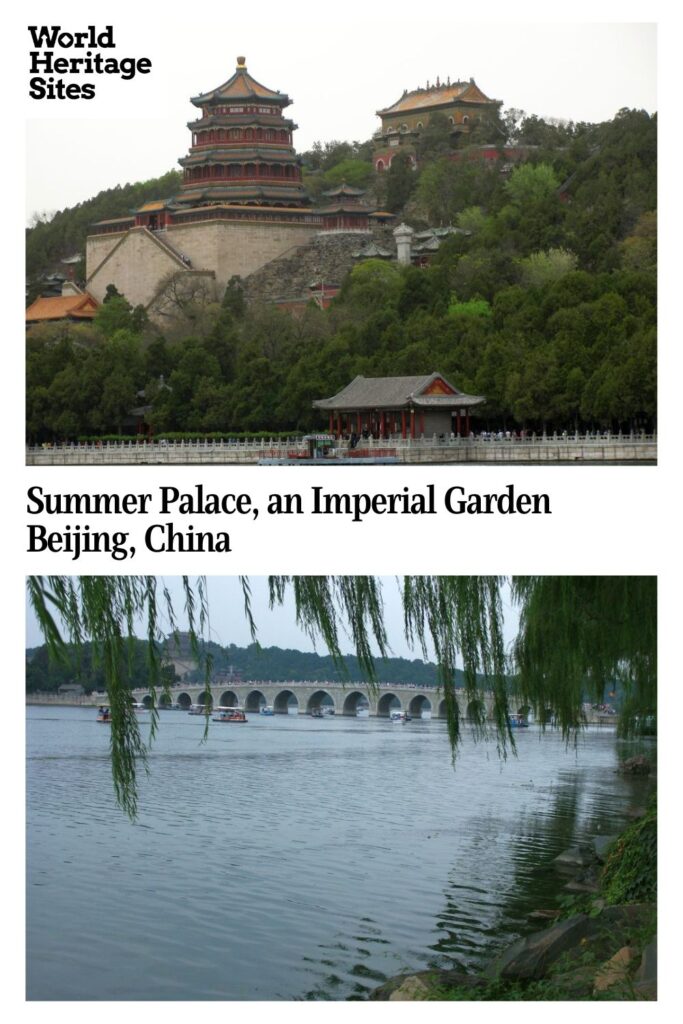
(384, 407)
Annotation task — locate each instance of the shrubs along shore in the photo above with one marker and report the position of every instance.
(602, 946)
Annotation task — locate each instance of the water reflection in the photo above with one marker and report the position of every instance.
(291, 860)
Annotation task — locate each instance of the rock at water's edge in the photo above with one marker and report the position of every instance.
(638, 765)
(602, 845)
(425, 985)
(615, 971)
(576, 857)
(531, 957)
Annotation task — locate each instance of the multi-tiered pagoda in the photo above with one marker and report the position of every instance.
(241, 205)
(242, 150)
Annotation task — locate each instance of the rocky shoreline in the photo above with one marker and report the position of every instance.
(604, 950)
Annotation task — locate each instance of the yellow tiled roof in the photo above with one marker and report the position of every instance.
(155, 204)
(435, 96)
(59, 307)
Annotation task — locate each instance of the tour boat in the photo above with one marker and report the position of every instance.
(362, 712)
(139, 707)
(518, 722)
(323, 712)
(267, 709)
(197, 709)
(104, 715)
(229, 715)
(399, 716)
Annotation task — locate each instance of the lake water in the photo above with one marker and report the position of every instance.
(294, 858)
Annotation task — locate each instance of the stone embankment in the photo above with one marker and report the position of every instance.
(91, 700)
(423, 451)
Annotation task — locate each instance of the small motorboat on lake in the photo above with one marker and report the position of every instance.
(518, 722)
(197, 709)
(103, 715)
(399, 716)
(229, 715)
(266, 709)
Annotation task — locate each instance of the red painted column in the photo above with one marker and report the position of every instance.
(412, 423)
(403, 424)
(339, 429)
(331, 427)
(467, 424)
(381, 424)
(422, 423)
(358, 423)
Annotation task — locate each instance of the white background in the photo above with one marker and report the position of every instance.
(605, 520)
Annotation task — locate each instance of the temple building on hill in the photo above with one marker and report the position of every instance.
(399, 407)
(461, 102)
(344, 210)
(242, 203)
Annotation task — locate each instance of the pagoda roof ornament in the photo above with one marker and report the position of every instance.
(239, 88)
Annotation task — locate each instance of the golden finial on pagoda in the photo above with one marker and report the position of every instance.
(241, 63)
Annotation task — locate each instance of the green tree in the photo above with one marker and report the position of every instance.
(400, 181)
(542, 268)
(531, 183)
(639, 250)
(434, 141)
(356, 173)
(117, 314)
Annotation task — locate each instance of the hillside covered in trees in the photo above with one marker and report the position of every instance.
(252, 662)
(545, 303)
(53, 237)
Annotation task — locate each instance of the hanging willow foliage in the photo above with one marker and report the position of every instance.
(106, 611)
(578, 637)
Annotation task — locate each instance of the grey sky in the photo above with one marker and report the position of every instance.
(339, 68)
(277, 627)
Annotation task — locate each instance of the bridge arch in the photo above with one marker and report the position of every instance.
(254, 701)
(165, 700)
(387, 703)
(147, 701)
(229, 699)
(420, 705)
(319, 699)
(476, 712)
(205, 697)
(285, 700)
(185, 701)
(353, 701)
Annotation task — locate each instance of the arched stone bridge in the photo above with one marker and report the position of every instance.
(305, 697)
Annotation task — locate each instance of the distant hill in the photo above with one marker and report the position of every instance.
(278, 665)
(265, 664)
